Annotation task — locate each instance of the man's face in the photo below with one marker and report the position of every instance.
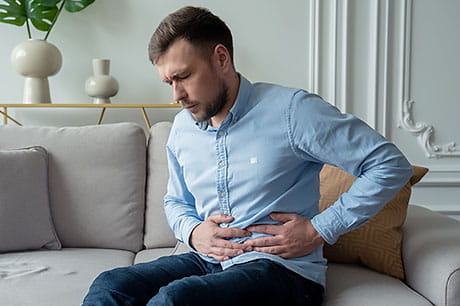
(197, 82)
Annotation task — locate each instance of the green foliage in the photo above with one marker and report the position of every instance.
(13, 12)
(76, 5)
(41, 13)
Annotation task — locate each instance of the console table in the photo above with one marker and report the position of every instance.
(103, 108)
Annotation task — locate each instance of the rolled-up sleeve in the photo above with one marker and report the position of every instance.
(319, 132)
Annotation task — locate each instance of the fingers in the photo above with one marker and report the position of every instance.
(225, 244)
(220, 218)
(232, 232)
(283, 217)
(266, 229)
(263, 242)
(219, 257)
(226, 252)
(274, 250)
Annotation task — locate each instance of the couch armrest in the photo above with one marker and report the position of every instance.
(431, 255)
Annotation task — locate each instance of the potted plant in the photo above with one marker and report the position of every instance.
(36, 59)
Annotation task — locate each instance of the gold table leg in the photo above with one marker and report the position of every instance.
(5, 114)
(101, 116)
(6, 117)
(146, 118)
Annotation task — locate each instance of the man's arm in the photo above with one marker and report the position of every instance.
(205, 236)
(320, 132)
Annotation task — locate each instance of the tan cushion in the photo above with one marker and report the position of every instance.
(376, 244)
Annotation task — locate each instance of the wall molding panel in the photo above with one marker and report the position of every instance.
(441, 178)
(360, 55)
(423, 131)
(328, 37)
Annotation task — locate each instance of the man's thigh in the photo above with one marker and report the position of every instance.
(138, 283)
(260, 282)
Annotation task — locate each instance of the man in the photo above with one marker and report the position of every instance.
(244, 162)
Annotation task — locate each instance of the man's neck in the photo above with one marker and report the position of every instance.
(233, 88)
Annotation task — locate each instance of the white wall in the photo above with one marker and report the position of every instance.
(374, 57)
(368, 57)
(269, 41)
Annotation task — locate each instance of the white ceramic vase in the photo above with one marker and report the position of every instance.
(101, 86)
(36, 60)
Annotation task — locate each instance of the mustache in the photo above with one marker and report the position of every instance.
(189, 103)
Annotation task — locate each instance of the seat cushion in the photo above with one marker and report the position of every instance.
(353, 285)
(47, 278)
(96, 181)
(152, 254)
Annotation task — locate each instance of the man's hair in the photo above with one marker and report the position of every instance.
(197, 25)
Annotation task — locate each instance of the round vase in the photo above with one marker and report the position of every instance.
(101, 86)
(36, 60)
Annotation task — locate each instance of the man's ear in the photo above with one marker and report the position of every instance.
(222, 57)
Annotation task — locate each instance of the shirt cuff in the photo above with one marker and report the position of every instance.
(328, 225)
(188, 227)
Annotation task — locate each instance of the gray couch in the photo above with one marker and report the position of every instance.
(105, 194)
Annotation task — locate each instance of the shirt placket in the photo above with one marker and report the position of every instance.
(222, 184)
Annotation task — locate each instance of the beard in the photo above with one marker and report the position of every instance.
(212, 108)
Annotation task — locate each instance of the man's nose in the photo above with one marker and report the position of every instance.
(178, 92)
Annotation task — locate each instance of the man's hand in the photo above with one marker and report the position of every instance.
(296, 237)
(209, 238)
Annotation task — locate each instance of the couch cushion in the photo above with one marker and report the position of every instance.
(157, 231)
(353, 285)
(376, 244)
(25, 218)
(48, 278)
(96, 181)
(153, 254)
(431, 252)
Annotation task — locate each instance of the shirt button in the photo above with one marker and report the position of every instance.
(221, 164)
(222, 194)
(221, 133)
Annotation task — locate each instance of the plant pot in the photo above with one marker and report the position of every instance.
(36, 60)
(101, 86)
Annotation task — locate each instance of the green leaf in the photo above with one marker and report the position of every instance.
(77, 5)
(13, 12)
(42, 13)
(48, 3)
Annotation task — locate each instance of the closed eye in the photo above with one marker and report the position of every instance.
(176, 78)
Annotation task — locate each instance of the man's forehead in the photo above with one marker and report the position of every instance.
(172, 74)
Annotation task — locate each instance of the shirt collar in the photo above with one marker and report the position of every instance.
(241, 105)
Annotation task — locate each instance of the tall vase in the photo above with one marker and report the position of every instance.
(36, 60)
(101, 86)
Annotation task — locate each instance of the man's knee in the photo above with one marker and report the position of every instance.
(186, 291)
(111, 280)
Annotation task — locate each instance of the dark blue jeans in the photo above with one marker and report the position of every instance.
(187, 279)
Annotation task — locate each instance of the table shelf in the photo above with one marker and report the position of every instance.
(103, 107)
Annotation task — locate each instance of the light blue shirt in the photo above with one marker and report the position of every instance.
(266, 157)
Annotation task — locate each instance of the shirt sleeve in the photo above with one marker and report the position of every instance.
(179, 203)
(319, 132)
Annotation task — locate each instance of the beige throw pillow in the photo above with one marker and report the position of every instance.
(377, 243)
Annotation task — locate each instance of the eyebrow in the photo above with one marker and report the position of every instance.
(176, 75)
